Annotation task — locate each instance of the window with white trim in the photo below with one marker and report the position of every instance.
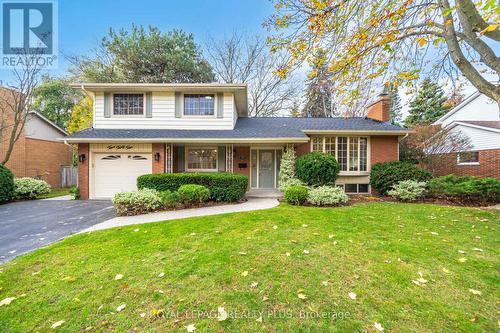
(351, 152)
(201, 159)
(128, 104)
(468, 158)
(199, 104)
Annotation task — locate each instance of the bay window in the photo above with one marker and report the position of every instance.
(351, 152)
(201, 159)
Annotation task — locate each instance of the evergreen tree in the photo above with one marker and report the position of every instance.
(396, 109)
(319, 96)
(428, 106)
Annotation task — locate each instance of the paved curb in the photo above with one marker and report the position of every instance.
(250, 205)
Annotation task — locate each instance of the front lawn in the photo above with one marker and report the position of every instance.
(55, 192)
(408, 267)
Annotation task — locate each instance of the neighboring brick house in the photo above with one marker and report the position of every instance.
(145, 128)
(478, 118)
(38, 152)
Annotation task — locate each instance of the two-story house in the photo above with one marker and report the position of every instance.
(157, 128)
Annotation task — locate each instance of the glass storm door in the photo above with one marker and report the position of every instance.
(266, 168)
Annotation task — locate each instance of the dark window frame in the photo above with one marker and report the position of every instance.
(130, 107)
(198, 105)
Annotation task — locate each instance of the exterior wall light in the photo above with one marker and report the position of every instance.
(157, 156)
(81, 158)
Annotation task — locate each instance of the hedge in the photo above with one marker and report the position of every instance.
(317, 169)
(466, 189)
(193, 193)
(223, 186)
(384, 176)
(6, 184)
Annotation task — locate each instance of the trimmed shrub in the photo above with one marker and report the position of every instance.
(223, 186)
(137, 202)
(466, 189)
(170, 199)
(6, 184)
(30, 188)
(327, 195)
(408, 190)
(317, 169)
(193, 193)
(386, 175)
(296, 195)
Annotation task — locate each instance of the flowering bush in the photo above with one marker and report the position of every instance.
(327, 195)
(408, 190)
(30, 188)
(137, 202)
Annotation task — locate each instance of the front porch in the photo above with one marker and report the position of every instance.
(264, 193)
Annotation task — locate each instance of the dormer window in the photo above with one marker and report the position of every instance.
(199, 104)
(128, 104)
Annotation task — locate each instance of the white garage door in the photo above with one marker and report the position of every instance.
(118, 172)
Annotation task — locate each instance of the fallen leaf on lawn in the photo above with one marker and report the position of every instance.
(275, 227)
(76, 299)
(157, 312)
(330, 236)
(192, 234)
(477, 249)
(434, 233)
(462, 259)
(57, 324)
(69, 278)
(473, 319)
(161, 291)
(352, 295)
(190, 328)
(259, 320)
(7, 301)
(118, 276)
(324, 283)
(378, 327)
(287, 254)
(315, 234)
(244, 273)
(121, 307)
(35, 273)
(265, 298)
(477, 237)
(243, 253)
(461, 251)
(446, 270)
(335, 243)
(301, 296)
(142, 315)
(475, 292)
(221, 314)
(161, 274)
(306, 252)
(305, 225)
(254, 284)
(136, 230)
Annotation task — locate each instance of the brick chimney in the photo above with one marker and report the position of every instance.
(380, 110)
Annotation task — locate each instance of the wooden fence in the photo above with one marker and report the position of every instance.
(68, 176)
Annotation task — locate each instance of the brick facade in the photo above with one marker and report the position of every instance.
(303, 148)
(83, 170)
(489, 165)
(242, 155)
(158, 166)
(383, 149)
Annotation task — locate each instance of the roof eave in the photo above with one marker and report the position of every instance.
(366, 132)
(188, 140)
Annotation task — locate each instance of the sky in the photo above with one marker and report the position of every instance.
(82, 23)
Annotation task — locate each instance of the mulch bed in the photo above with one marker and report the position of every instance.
(437, 201)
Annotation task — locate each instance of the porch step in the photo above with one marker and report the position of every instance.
(264, 193)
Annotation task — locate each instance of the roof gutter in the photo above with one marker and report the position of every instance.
(373, 132)
(187, 140)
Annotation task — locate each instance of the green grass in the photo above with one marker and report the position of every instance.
(56, 192)
(380, 248)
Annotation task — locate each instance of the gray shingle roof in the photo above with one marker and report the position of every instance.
(275, 127)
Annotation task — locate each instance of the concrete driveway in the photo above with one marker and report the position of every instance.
(29, 225)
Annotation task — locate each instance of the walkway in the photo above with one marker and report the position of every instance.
(251, 204)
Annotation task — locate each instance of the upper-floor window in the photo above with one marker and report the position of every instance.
(468, 158)
(351, 152)
(128, 104)
(199, 104)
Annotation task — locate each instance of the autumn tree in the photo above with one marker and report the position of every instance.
(396, 108)
(239, 58)
(428, 105)
(54, 99)
(391, 41)
(146, 56)
(81, 116)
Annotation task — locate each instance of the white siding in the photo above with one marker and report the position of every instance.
(480, 139)
(480, 108)
(164, 116)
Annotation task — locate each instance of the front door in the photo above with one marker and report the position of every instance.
(266, 168)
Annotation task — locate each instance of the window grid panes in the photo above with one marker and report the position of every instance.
(468, 157)
(202, 159)
(353, 154)
(317, 144)
(330, 145)
(199, 105)
(128, 104)
(363, 154)
(342, 152)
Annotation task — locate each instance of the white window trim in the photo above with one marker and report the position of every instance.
(467, 163)
(347, 172)
(113, 115)
(199, 116)
(186, 148)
